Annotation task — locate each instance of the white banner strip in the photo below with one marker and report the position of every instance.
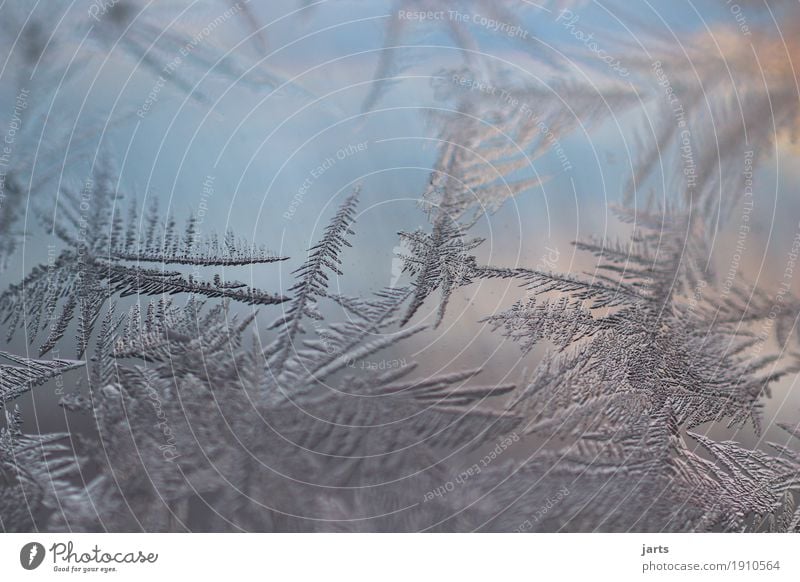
(401, 557)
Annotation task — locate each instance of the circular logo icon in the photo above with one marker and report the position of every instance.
(31, 555)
